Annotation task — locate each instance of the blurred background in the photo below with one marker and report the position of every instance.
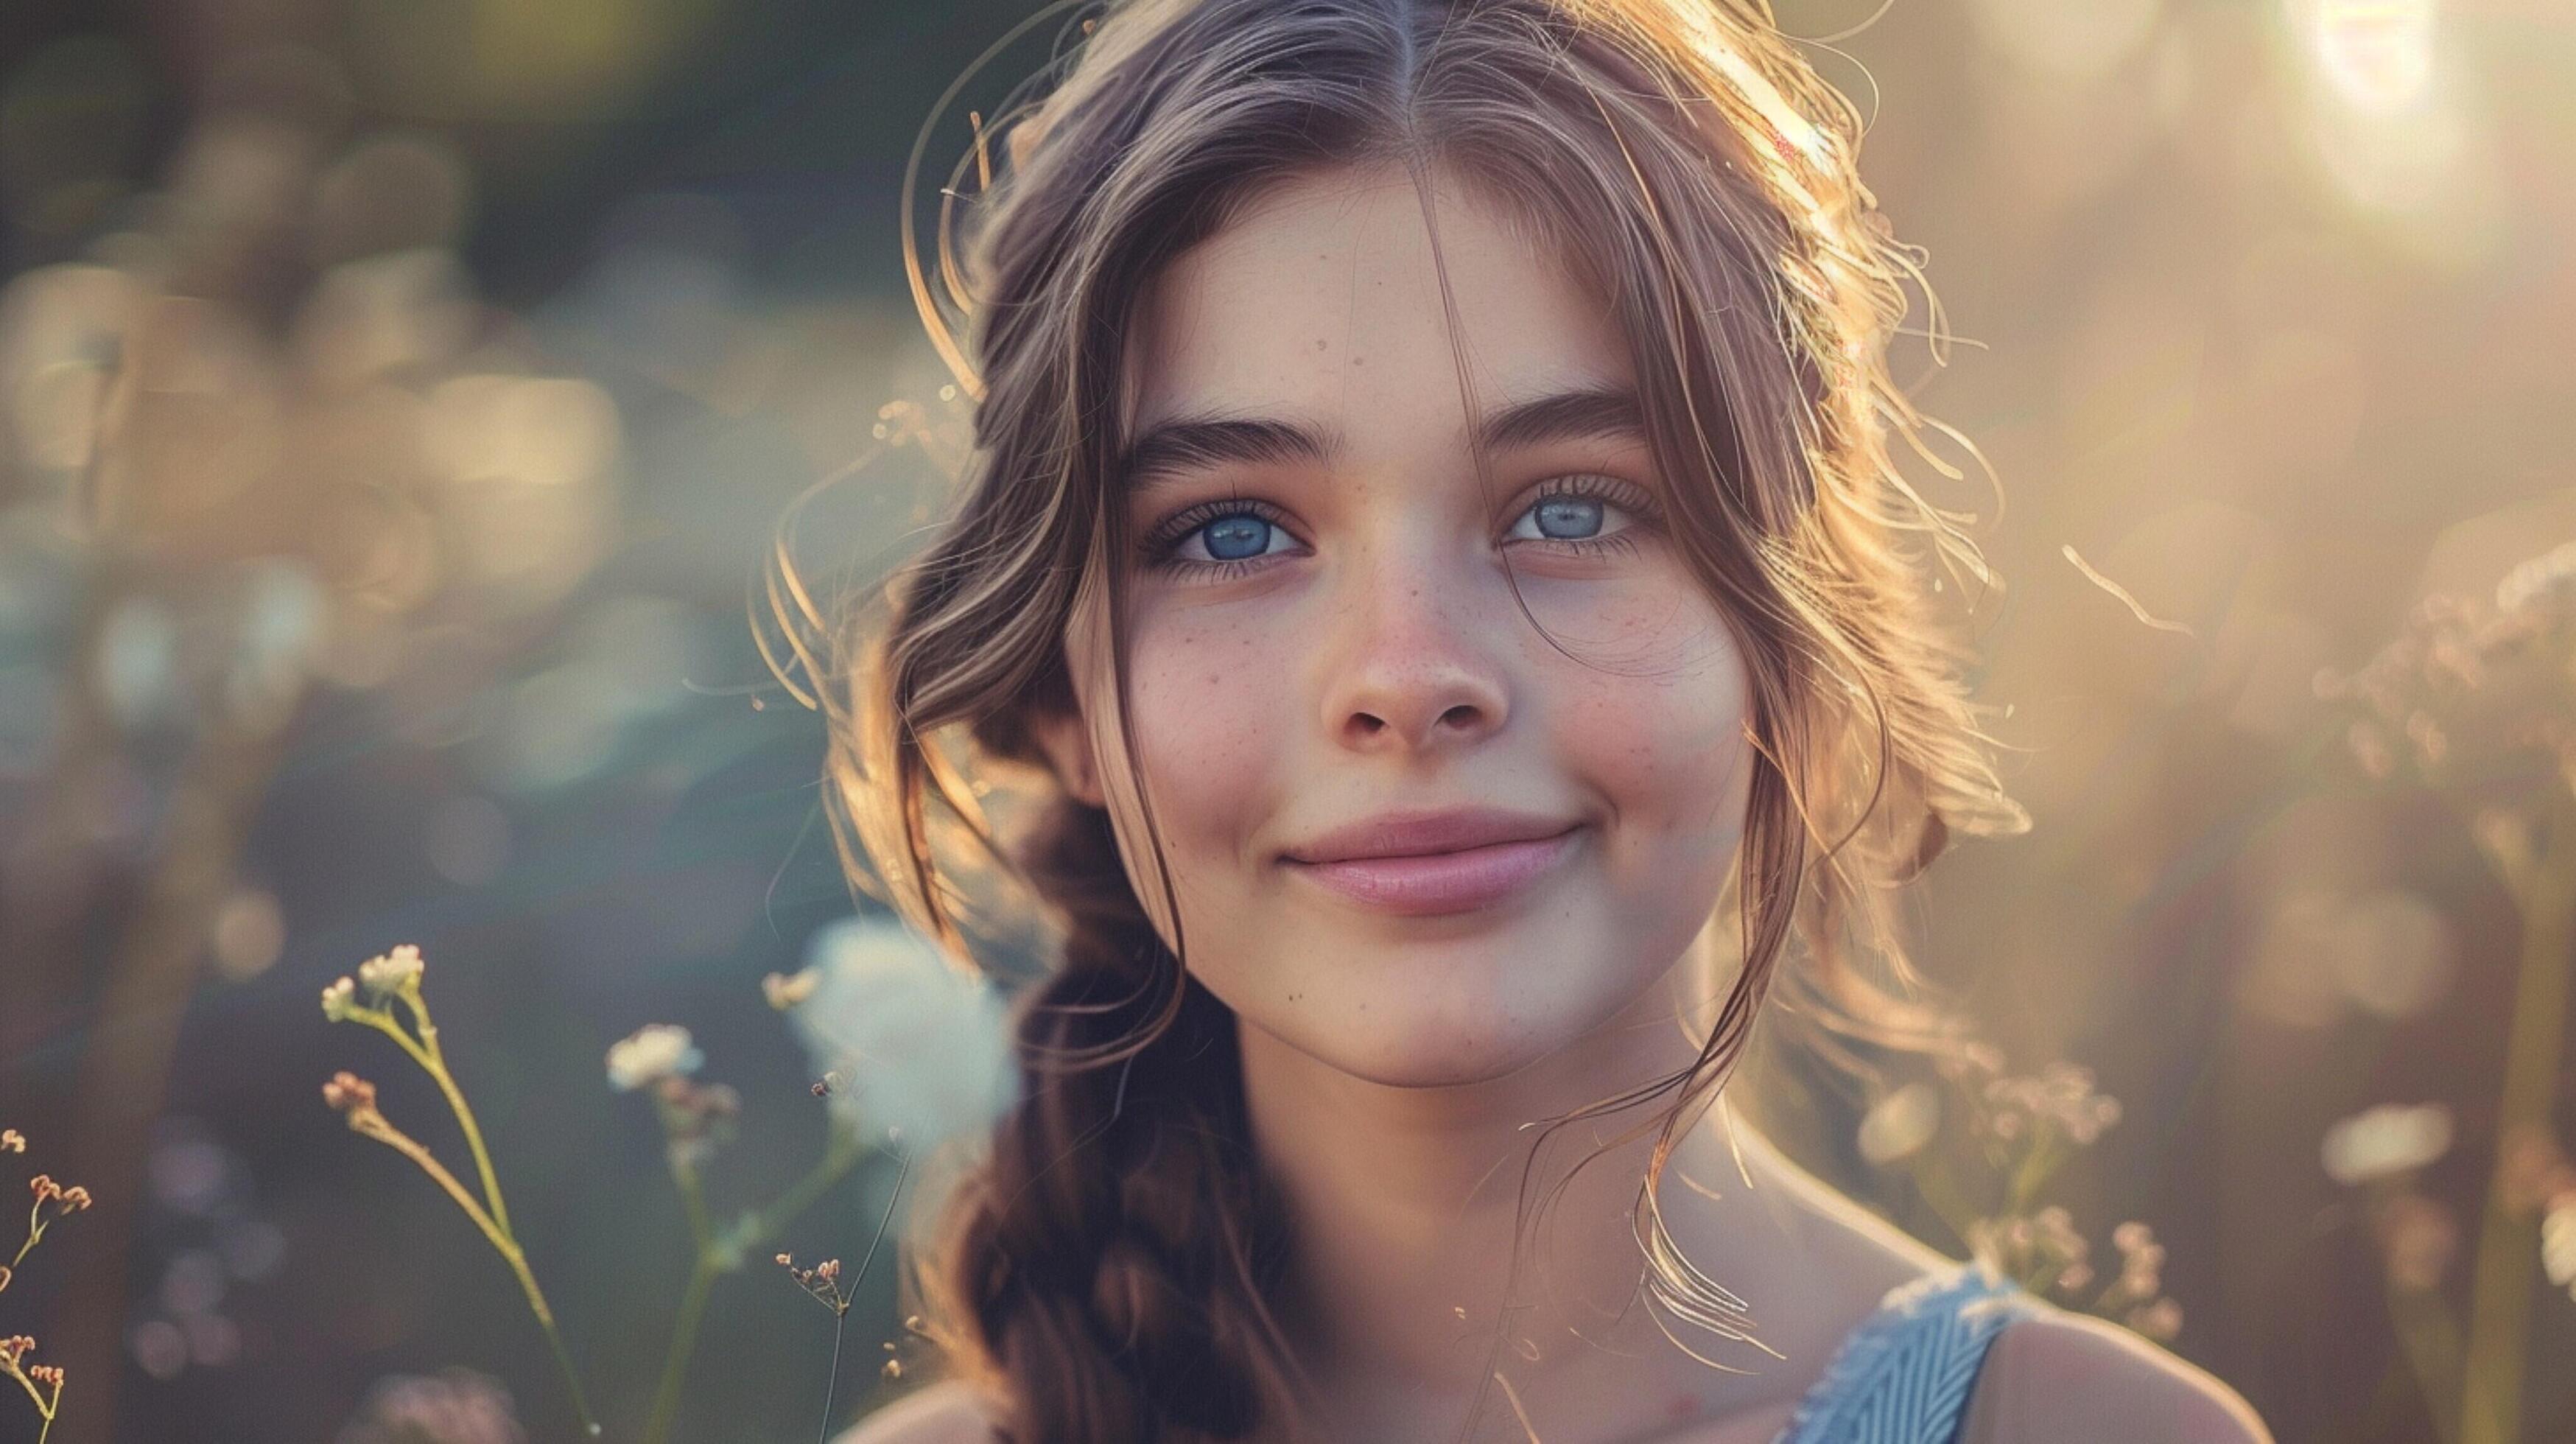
(397, 402)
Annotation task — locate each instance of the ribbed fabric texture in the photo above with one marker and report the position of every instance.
(1903, 1375)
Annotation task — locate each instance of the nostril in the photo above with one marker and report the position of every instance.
(1461, 715)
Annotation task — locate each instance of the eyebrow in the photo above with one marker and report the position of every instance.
(1171, 449)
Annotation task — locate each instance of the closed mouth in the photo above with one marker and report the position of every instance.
(1426, 882)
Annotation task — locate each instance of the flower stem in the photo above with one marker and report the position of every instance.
(703, 1269)
(718, 1255)
(46, 1409)
(2431, 1343)
(684, 1340)
(693, 1201)
(35, 1231)
(841, 1311)
(832, 1383)
(2036, 1165)
(374, 1125)
(435, 1062)
(30, 1386)
(563, 1356)
(903, 1171)
(2500, 1291)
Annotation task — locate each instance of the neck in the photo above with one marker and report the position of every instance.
(1409, 1205)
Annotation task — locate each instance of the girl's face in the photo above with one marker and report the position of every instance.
(1410, 836)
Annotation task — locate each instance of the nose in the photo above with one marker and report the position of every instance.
(1408, 672)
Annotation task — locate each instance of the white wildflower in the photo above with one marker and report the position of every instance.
(395, 972)
(650, 1054)
(915, 1045)
(2537, 577)
(2558, 1244)
(2387, 1140)
(1898, 1125)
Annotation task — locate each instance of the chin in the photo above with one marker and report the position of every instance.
(1459, 1012)
(1441, 1051)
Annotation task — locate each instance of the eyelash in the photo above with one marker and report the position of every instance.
(1164, 540)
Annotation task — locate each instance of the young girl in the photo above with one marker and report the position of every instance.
(1432, 524)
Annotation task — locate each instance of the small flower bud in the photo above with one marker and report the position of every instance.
(349, 1093)
(785, 991)
(397, 972)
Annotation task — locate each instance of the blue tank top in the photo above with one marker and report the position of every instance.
(1903, 1375)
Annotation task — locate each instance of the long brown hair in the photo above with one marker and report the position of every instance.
(1105, 1268)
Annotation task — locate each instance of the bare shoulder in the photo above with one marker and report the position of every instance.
(952, 1412)
(2058, 1375)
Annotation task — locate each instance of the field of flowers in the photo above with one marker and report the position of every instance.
(405, 411)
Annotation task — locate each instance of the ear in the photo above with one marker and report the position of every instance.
(1067, 743)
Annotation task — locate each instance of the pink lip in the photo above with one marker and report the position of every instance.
(1421, 864)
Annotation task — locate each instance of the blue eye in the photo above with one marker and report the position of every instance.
(1216, 537)
(1568, 518)
(1579, 519)
(1236, 537)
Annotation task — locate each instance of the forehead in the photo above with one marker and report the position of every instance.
(1321, 299)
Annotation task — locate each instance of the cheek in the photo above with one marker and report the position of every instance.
(1652, 709)
(1212, 711)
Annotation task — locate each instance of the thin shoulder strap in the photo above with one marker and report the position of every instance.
(1903, 1375)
